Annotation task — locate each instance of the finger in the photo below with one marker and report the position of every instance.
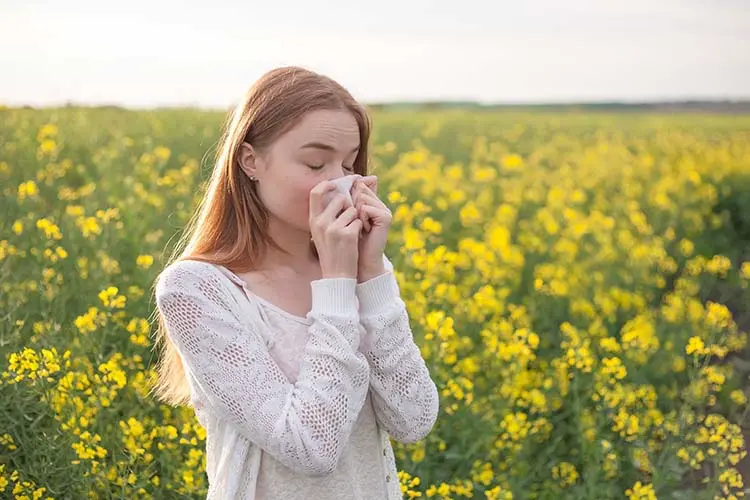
(355, 226)
(365, 220)
(364, 198)
(371, 181)
(346, 217)
(378, 216)
(317, 196)
(366, 190)
(334, 208)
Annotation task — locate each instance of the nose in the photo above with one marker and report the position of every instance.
(344, 185)
(341, 174)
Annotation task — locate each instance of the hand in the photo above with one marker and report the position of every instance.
(376, 221)
(335, 229)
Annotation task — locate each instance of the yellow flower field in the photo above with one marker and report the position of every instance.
(578, 285)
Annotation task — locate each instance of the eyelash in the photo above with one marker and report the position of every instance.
(318, 167)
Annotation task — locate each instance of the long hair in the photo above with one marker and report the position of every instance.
(229, 226)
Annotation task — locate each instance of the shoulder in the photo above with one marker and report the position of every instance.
(185, 270)
(188, 276)
(197, 305)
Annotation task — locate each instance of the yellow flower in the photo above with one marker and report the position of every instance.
(88, 322)
(639, 336)
(718, 316)
(144, 261)
(47, 146)
(469, 214)
(626, 424)
(610, 344)
(565, 473)
(430, 225)
(413, 239)
(641, 459)
(731, 478)
(497, 493)
(714, 377)
(695, 346)
(51, 231)
(88, 226)
(614, 368)
(74, 210)
(396, 197)
(7, 441)
(418, 454)
(162, 153)
(678, 364)
(457, 196)
(738, 397)
(110, 298)
(108, 215)
(686, 247)
(512, 162)
(47, 131)
(719, 265)
(745, 270)
(484, 174)
(641, 492)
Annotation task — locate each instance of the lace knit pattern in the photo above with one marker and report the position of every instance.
(298, 394)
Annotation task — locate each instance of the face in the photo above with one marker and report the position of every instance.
(322, 146)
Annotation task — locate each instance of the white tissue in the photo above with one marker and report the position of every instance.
(343, 186)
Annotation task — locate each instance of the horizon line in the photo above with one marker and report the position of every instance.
(410, 102)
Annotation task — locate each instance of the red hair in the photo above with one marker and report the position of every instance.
(229, 226)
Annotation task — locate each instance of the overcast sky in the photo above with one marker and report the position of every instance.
(165, 52)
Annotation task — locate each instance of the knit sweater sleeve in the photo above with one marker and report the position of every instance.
(404, 395)
(304, 425)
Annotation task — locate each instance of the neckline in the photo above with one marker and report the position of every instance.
(239, 281)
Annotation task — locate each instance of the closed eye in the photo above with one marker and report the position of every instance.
(318, 167)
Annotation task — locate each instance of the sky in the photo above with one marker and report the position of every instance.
(207, 53)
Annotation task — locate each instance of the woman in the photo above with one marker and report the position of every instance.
(281, 322)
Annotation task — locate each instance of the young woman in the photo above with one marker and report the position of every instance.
(281, 321)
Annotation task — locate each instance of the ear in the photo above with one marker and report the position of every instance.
(248, 160)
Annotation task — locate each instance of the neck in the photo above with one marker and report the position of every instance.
(299, 255)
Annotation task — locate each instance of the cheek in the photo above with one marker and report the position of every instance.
(288, 199)
(299, 198)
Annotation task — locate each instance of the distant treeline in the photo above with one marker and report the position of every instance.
(668, 106)
(727, 106)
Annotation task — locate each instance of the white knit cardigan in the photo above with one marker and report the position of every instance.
(360, 340)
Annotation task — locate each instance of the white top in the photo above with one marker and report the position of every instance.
(298, 407)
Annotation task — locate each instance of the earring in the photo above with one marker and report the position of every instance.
(253, 178)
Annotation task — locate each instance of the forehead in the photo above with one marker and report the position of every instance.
(335, 128)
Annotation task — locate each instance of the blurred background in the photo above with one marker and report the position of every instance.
(570, 188)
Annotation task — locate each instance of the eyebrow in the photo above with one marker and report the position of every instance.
(325, 147)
